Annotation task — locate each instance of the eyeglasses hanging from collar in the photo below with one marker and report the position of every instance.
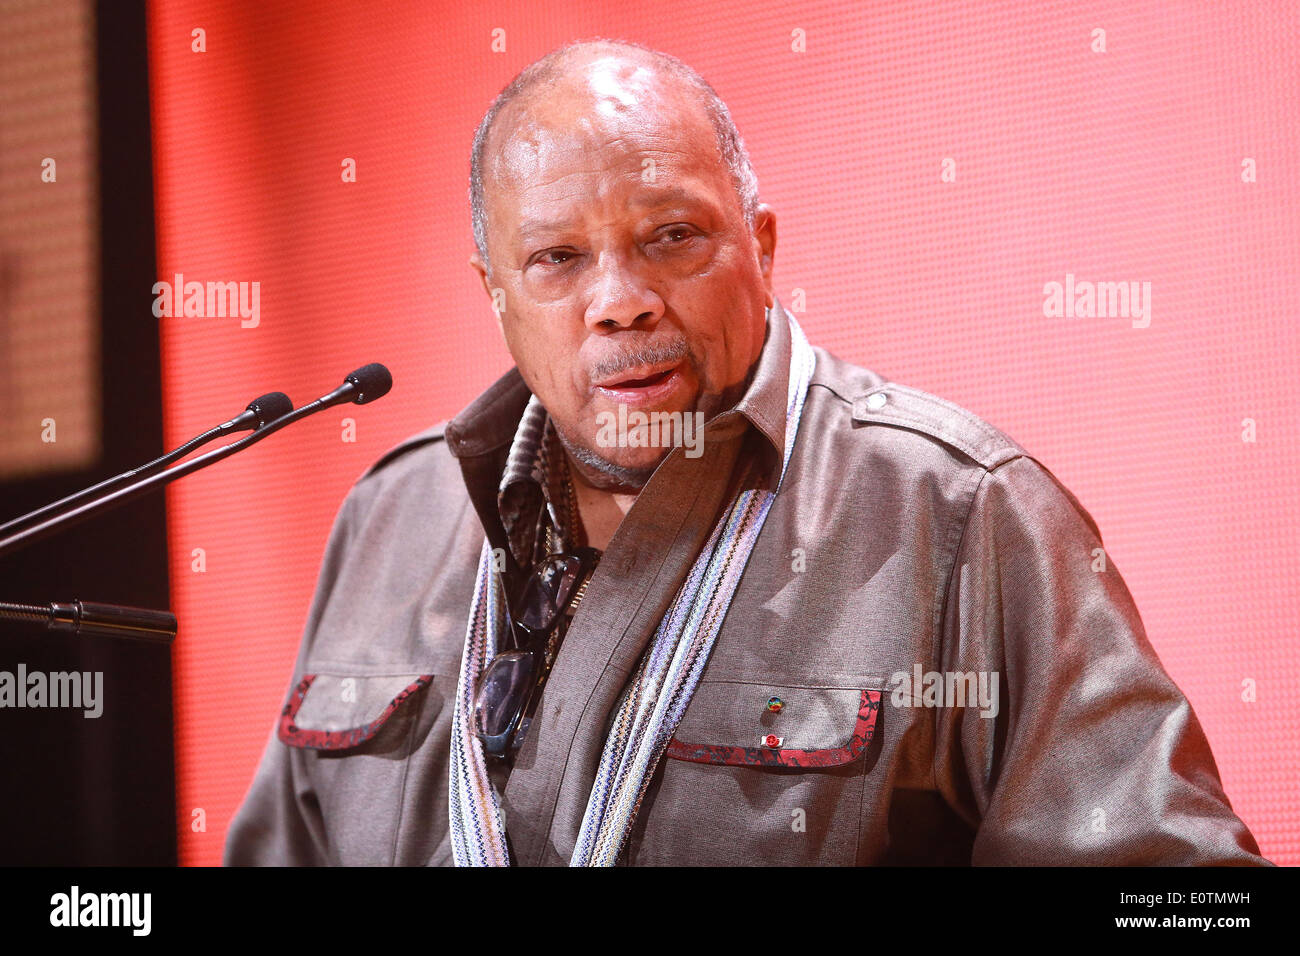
(511, 685)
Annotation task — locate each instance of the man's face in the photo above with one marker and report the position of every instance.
(627, 271)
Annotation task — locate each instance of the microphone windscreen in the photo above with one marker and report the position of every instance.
(270, 406)
(372, 381)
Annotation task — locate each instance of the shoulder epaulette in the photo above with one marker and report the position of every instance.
(904, 407)
(415, 441)
(957, 427)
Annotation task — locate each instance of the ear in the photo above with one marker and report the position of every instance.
(476, 263)
(765, 246)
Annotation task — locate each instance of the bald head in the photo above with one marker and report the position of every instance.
(573, 86)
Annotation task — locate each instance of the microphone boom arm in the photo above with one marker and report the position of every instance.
(364, 385)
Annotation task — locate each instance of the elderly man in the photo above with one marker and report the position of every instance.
(682, 589)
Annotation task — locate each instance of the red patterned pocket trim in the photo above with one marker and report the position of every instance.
(863, 733)
(296, 736)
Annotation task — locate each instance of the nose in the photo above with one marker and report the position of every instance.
(620, 296)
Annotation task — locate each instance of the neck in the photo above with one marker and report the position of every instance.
(601, 503)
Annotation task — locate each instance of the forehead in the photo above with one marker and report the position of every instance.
(594, 131)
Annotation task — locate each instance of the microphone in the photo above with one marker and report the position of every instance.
(366, 384)
(261, 410)
(268, 408)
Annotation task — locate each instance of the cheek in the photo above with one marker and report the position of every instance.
(727, 353)
(546, 360)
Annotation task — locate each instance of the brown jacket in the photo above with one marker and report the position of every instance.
(911, 540)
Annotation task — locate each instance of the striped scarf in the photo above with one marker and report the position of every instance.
(657, 696)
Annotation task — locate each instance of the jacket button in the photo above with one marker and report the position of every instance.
(775, 704)
(772, 740)
(876, 401)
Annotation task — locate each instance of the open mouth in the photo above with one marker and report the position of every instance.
(654, 379)
(642, 386)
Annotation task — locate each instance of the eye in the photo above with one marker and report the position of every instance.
(682, 232)
(553, 257)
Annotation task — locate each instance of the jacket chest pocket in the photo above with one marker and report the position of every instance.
(761, 775)
(757, 725)
(340, 712)
(375, 748)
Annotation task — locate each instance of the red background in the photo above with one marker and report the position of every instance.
(1115, 166)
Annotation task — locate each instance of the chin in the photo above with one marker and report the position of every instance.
(626, 470)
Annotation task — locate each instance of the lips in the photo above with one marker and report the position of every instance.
(640, 377)
(644, 385)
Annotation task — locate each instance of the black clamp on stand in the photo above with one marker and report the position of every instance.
(99, 620)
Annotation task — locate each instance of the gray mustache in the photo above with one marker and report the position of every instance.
(641, 355)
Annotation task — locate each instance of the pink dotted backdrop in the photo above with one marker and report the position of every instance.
(1122, 165)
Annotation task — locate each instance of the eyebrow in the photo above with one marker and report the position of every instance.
(663, 197)
(531, 226)
(643, 199)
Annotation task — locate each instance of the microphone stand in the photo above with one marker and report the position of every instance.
(364, 385)
(261, 410)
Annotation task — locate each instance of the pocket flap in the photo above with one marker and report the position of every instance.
(337, 711)
(809, 727)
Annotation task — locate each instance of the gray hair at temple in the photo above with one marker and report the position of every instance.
(548, 69)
